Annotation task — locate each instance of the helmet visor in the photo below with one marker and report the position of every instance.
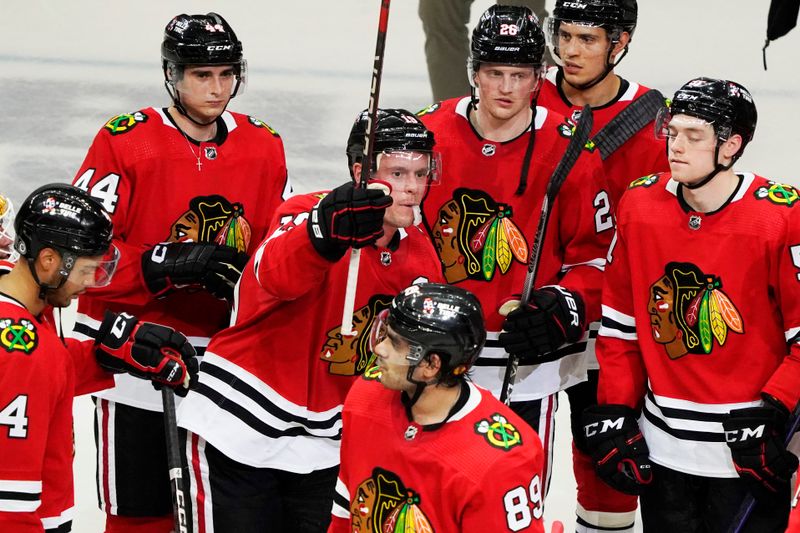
(696, 133)
(398, 166)
(94, 271)
(7, 251)
(381, 331)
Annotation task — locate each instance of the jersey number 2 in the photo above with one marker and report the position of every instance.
(13, 415)
(518, 502)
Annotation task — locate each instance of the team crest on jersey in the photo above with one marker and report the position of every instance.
(125, 122)
(214, 219)
(499, 432)
(351, 356)
(428, 110)
(644, 181)
(372, 373)
(261, 124)
(18, 336)
(383, 504)
(475, 237)
(689, 310)
(778, 193)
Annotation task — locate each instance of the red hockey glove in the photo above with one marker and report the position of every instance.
(146, 350)
(347, 216)
(171, 265)
(616, 444)
(535, 331)
(755, 436)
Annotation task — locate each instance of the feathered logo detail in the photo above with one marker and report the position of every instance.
(714, 313)
(501, 241)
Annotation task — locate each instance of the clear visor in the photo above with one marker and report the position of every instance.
(696, 132)
(423, 167)
(588, 36)
(96, 271)
(7, 235)
(204, 81)
(381, 331)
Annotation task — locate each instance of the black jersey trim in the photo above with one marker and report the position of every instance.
(66, 527)
(219, 137)
(262, 401)
(570, 349)
(682, 434)
(340, 500)
(624, 85)
(20, 496)
(689, 209)
(584, 523)
(687, 414)
(610, 323)
(256, 423)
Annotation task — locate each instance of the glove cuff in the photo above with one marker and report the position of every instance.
(328, 250)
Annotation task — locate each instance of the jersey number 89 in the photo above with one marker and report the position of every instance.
(523, 506)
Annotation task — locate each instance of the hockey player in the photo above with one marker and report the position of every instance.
(588, 39)
(443, 454)
(191, 189)
(64, 239)
(498, 154)
(701, 316)
(264, 426)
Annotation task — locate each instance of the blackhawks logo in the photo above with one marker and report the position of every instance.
(778, 193)
(499, 432)
(475, 237)
(215, 219)
(689, 311)
(125, 122)
(18, 336)
(644, 181)
(383, 504)
(430, 109)
(351, 356)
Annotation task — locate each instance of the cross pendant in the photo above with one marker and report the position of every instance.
(199, 165)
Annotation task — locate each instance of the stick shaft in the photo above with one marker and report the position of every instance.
(174, 461)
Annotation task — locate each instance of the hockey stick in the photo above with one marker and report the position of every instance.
(366, 163)
(174, 460)
(576, 144)
(746, 509)
(628, 122)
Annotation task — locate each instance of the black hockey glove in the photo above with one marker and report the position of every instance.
(535, 331)
(347, 216)
(756, 436)
(146, 350)
(616, 444)
(172, 265)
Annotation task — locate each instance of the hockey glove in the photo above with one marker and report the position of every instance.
(172, 265)
(755, 436)
(617, 447)
(146, 350)
(535, 331)
(347, 216)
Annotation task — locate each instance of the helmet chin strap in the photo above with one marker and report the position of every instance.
(718, 167)
(44, 288)
(182, 110)
(606, 71)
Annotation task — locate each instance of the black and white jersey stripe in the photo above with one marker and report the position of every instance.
(341, 501)
(20, 496)
(617, 325)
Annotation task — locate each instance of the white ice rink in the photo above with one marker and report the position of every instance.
(67, 66)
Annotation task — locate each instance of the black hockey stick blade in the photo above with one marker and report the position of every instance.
(174, 462)
(746, 508)
(628, 122)
(580, 137)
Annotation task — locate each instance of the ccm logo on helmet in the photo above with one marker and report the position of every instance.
(741, 435)
(219, 47)
(595, 427)
(576, 5)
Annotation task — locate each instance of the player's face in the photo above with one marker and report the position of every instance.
(391, 355)
(87, 272)
(407, 173)
(690, 143)
(505, 90)
(662, 311)
(583, 50)
(205, 90)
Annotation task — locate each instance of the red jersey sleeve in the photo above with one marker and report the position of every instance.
(785, 382)
(104, 177)
(585, 228)
(89, 376)
(622, 372)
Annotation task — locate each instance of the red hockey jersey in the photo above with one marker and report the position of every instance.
(39, 376)
(701, 313)
(273, 384)
(482, 231)
(159, 187)
(479, 471)
(642, 155)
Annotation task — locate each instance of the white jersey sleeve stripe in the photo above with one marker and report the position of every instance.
(793, 335)
(341, 501)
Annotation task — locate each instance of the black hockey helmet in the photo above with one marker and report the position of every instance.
(441, 319)
(397, 130)
(200, 40)
(615, 16)
(67, 219)
(507, 35)
(726, 105)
